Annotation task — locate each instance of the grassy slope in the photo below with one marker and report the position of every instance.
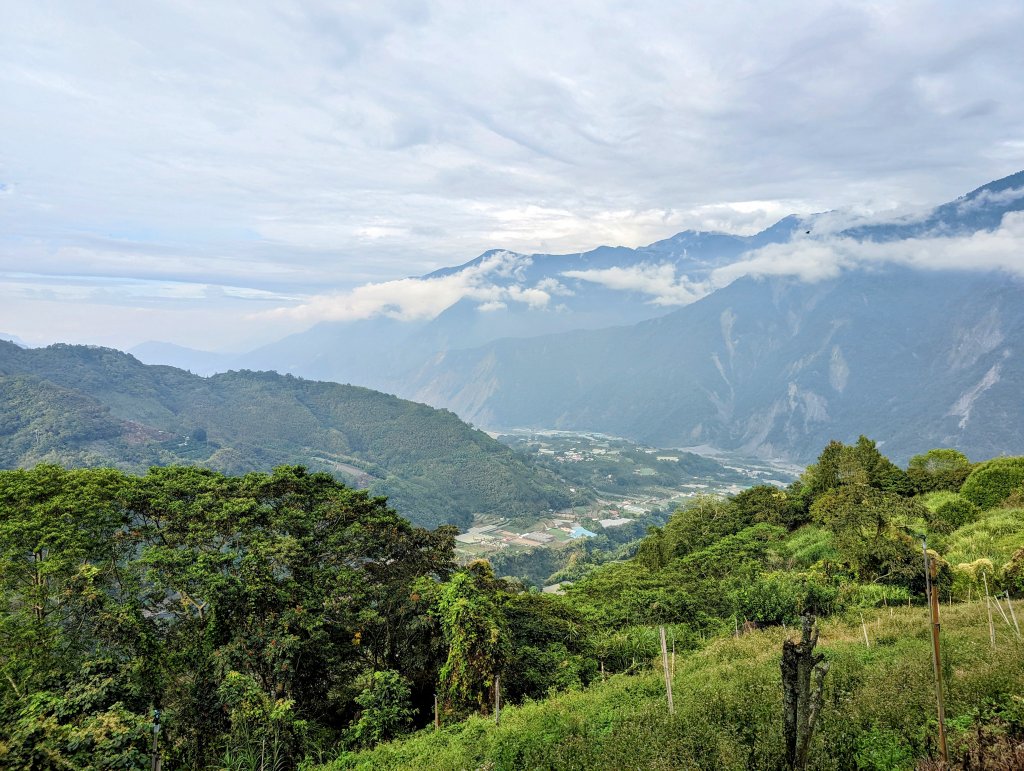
(878, 710)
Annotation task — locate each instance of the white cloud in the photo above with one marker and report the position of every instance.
(411, 299)
(658, 281)
(341, 143)
(814, 260)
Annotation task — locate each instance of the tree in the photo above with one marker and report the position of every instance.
(938, 469)
(472, 623)
(803, 680)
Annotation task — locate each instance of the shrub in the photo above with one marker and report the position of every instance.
(992, 482)
(386, 711)
(953, 514)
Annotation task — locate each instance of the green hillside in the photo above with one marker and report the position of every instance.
(878, 711)
(86, 406)
(286, 621)
(842, 543)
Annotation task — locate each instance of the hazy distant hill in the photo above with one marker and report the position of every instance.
(82, 405)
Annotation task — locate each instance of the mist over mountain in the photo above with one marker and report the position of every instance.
(823, 325)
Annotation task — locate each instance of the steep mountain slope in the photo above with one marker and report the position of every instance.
(773, 367)
(83, 406)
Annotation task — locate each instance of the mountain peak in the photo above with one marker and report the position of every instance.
(1011, 182)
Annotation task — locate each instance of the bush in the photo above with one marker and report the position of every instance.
(386, 711)
(992, 482)
(953, 514)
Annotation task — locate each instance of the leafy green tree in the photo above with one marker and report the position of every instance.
(700, 523)
(473, 626)
(866, 538)
(938, 469)
(952, 514)
(766, 503)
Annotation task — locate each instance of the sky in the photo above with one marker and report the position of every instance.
(206, 173)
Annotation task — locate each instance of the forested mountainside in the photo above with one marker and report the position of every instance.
(283, 620)
(772, 367)
(86, 406)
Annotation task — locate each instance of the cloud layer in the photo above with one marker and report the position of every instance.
(305, 148)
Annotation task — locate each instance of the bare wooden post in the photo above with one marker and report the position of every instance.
(988, 606)
(437, 714)
(803, 679)
(155, 761)
(497, 699)
(1009, 604)
(668, 674)
(864, 628)
(933, 604)
(602, 670)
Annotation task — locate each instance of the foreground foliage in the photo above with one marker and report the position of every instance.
(878, 710)
(284, 619)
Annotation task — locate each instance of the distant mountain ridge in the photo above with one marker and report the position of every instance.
(86, 406)
(772, 367)
(606, 353)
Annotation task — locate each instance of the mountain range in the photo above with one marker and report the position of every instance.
(821, 326)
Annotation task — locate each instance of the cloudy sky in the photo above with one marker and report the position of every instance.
(184, 170)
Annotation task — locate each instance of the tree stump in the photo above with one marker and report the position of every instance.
(803, 678)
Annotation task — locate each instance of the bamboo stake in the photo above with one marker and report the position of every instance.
(988, 606)
(437, 715)
(497, 699)
(999, 607)
(1013, 615)
(933, 606)
(864, 626)
(668, 675)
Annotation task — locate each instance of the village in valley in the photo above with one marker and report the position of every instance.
(616, 485)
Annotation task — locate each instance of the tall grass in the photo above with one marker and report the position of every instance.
(878, 711)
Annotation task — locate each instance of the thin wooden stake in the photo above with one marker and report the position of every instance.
(437, 714)
(668, 675)
(864, 626)
(933, 604)
(497, 699)
(1009, 604)
(988, 606)
(602, 670)
(999, 607)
